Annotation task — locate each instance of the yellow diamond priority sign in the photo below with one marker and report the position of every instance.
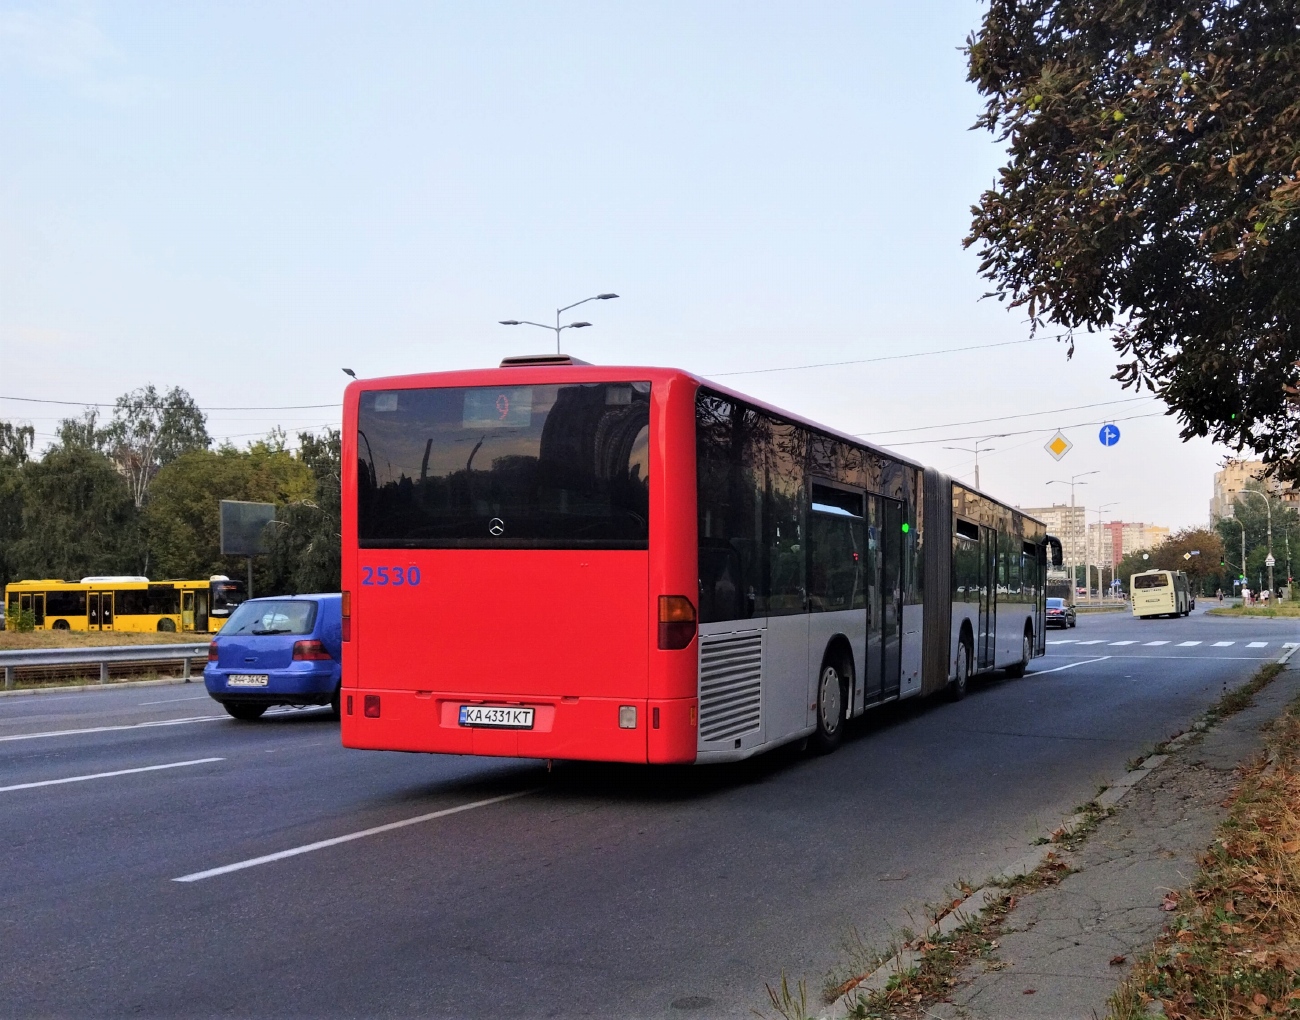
(1058, 446)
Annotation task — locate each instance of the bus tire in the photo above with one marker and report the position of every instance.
(1026, 653)
(335, 700)
(61, 625)
(832, 702)
(244, 713)
(167, 626)
(957, 686)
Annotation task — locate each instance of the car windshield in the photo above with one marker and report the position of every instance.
(1056, 603)
(296, 616)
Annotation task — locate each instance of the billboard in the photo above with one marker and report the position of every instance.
(243, 527)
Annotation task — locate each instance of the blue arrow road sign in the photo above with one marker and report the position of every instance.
(1109, 435)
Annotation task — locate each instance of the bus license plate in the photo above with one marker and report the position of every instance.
(503, 717)
(247, 680)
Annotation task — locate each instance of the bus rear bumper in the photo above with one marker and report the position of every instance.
(575, 729)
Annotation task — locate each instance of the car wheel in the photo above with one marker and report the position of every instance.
(957, 686)
(1074, 623)
(335, 698)
(832, 702)
(244, 713)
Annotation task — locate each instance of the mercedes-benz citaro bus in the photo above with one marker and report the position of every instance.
(1160, 593)
(557, 560)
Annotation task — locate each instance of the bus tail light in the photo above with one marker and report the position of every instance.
(347, 616)
(676, 621)
(370, 706)
(310, 651)
(212, 651)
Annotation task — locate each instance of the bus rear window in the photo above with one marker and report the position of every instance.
(523, 467)
(1151, 581)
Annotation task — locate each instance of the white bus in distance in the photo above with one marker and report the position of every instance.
(1161, 593)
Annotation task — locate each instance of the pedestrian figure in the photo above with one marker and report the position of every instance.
(1219, 594)
(1245, 595)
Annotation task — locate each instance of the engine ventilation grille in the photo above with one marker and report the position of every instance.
(731, 685)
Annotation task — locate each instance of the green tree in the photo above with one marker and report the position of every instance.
(1251, 512)
(149, 430)
(77, 518)
(306, 540)
(182, 516)
(1152, 187)
(16, 442)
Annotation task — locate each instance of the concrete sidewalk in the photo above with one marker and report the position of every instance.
(1054, 959)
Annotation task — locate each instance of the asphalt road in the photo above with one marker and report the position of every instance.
(590, 891)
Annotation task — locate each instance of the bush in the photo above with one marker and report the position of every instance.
(19, 620)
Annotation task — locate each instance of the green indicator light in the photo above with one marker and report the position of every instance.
(906, 527)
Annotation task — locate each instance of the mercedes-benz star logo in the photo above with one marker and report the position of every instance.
(496, 527)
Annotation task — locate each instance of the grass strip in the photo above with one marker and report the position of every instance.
(1232, 947)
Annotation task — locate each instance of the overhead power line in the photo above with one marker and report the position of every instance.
(1005, 417)
(1026, 432)
(93, 403)
(888, 357)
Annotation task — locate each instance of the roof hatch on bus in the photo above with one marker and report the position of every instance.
(538, 360)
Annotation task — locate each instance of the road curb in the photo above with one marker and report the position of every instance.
(991, 893)
(112, 685)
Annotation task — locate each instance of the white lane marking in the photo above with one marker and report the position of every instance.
(1152, 644)
(1291, 644)
(108, 775)
(1257, 644)
(111, 729)
(1070, 665)
(1063, 641)
(1098, 641)
(1222, 644)
(198, 876)
(1188, 644)
(168, 701)
(1114, 643)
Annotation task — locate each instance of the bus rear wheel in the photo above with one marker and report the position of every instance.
(832, 702)
(957, 686)
(1026, 652)
(167, 626)
(61, 625)
(244, 713)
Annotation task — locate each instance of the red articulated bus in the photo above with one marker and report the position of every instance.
(557, 560)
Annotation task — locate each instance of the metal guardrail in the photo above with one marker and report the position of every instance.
(102, 657)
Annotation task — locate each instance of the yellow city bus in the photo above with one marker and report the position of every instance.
(127, 603)
(1160, 593)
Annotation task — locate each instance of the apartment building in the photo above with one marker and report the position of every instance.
(1236, 475)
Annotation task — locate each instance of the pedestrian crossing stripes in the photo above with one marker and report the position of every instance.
(1157, 644)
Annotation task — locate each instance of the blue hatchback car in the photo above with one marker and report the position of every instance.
(286, 650)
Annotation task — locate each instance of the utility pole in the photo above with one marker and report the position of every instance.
(1073, 537)
(1268, 506)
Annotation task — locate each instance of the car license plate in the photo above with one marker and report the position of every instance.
(247, 680)
(505, 717)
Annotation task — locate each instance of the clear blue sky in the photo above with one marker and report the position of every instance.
(242, 198)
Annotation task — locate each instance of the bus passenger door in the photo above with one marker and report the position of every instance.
(201, 611)
(38, 609)
(187, 610)
(99, 610)
(884, 564)
(988, 598)
(891, 594)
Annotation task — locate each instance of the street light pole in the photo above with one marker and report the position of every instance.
(1269, 507)
(975, 450)
(1072, 483)
(1109, 556)
(557, 328)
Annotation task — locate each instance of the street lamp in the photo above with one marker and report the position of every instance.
(1072, 483)
(1110, 556)
(1269, 507)
(557, 328)
(975, 450)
